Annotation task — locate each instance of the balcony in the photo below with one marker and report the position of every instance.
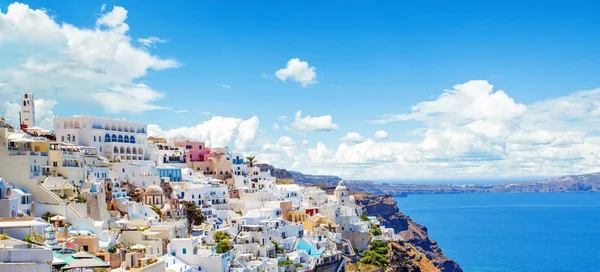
(17, 153)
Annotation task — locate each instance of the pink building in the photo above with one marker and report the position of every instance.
(197, 151)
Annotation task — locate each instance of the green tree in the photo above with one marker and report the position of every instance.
(377, 254)
(220, 236)
(278, 249)
(364, 217)
(224, 246)
(251, 160)
(193, 214)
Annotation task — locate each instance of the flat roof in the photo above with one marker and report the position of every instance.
(21, 224)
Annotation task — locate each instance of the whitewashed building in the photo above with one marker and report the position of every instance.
(116, 139)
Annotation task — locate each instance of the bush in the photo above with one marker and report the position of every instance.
(285, 263)
(220, 236)
(364, 217)
(377, 254)
(112, 250)
(224, 246)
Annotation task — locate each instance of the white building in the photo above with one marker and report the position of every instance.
(28, 111)
(19, 256)
(190, 251)
(114, 138)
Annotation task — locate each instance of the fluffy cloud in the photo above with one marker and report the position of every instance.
(298, 71)
(474, 131)
(310, 124)
(217, 132)
(44, 112)
(89, 65)
(352, 137)
(247, 131)
(276, 127)
(381, 134)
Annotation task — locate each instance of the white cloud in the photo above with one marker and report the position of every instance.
(305, 142)
(114, 18)
(207, 113)
(282, 117)
(247, 131)
(381, 134)
(473, 100)
(103, 7)
(76, 64)
(225, 86)
(150, 41)
(44, 112)
(310, 124)
(276, 127)
(298, 71)
(474, 131)
(181, 111)
(217, 132)
(353, 137)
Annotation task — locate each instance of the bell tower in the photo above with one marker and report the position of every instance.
(27, 111)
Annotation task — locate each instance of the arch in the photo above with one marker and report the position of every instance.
(113, 127)
(133, 150)
(132, 140)
(126, 139)
(71, 124)
(113, 138)
(107, 126)
(119, 128)
(126, 129)
(131, 129)
(120, 138)
(128, 150)
(122, 151)
(76, 124)
(116, 150)
(66, 124)
(140, 150)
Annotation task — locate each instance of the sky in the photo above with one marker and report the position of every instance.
(381, 90)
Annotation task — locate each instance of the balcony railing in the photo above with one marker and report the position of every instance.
(17, 153)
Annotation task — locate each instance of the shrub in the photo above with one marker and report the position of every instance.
(364, 217)
(220, 236)
(224, 246)
(112, 250)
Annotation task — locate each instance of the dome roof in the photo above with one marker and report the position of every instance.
(340, 186)
(153, 190)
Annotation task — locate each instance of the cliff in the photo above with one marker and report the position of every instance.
(384, 207)
(404, 257)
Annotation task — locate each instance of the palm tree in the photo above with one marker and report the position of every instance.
(251, 160)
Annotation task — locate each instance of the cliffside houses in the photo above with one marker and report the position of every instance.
(101, 193)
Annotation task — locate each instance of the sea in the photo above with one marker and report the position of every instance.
(507, 232)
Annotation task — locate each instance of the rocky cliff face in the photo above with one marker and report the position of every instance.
(405, 258)
(385, 208)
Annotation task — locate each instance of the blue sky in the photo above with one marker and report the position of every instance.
(370, 60)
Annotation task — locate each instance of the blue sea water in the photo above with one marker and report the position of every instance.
(508, 232)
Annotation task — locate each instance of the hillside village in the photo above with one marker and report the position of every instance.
(99, 194)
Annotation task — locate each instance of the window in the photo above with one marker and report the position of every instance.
(73, 138)
(192, 196)
(120, 138)
(126, 139)
(183, 251)
(107, 138)
(113, 138)
(94, 138)
(62, 138)
(132, 140)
